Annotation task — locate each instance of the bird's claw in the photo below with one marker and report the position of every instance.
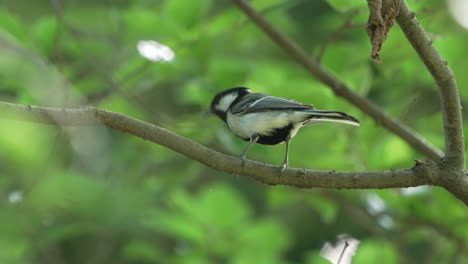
(242, 158)
(283, 167)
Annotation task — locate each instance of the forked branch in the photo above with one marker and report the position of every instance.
(445, 79)
(447, 172)
(341, 89)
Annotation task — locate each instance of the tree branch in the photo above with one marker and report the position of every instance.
(339, 88)
(336, 34)
(444, 77)
(265, 173)
(424, 173)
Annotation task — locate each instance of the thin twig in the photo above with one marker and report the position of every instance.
(58, 8)
(343, 251)
(336, 34)
(341, 89)
(443, 230)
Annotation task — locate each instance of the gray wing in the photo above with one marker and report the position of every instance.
(257, 102)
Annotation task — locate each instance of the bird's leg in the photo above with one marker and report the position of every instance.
(253, 140)
(285, 162)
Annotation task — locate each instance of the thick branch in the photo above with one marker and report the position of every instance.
(297, 53)
(262, 172)
(444, 77)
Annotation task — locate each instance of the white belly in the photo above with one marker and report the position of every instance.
(263, 123)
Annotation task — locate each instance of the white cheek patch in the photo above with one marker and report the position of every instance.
(226, 101)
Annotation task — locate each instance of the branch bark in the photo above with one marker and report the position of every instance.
(454, 177)
(265, 173)
(445, 79)
(423, 173)
(339, 88)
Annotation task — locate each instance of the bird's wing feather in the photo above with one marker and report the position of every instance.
(257, 102)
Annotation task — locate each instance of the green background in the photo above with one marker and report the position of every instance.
(94, 195)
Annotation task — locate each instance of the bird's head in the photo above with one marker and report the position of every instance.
(223, 100)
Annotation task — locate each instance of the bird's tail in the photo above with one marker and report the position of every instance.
(330, 116)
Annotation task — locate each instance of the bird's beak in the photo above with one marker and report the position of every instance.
(207, 113)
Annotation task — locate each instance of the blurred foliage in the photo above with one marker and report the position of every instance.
(93, 195)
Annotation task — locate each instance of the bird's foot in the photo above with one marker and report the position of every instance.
(283, 167)
(242, 158)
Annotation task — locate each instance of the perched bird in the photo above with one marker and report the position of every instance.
(265, 119)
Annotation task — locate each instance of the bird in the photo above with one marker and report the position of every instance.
(269, 120)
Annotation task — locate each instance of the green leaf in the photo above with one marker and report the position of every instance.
(222, 207)
(314, 257)
(266, 230)
(262, 243)
(12, 24)
(397, 151)
(327, 209)
(279, 197)
(353, 70)
(346, 5)
(375, 251)
(145, 24)
(13, 250)
(187, 13)
(24, 142)
(45, 34)
(177, 226)
(141, 251)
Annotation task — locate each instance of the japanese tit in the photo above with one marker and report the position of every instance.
(265, 119)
